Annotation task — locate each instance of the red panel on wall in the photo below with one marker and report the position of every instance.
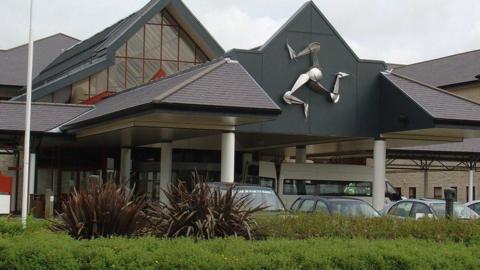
(5, 184)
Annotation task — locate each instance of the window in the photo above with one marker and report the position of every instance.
(468, 198)
(401, 209)
(80, 91)
(327, 187)
(419, 210)
(321, 187)
(307, 206)
(475, 207)
(159, 48)
(412, 192)
(321, 207)
(437, 193)
(295, 204)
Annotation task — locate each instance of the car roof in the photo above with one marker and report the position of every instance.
(236, 186)
(328, 198)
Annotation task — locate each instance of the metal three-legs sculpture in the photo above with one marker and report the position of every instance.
(312, 77)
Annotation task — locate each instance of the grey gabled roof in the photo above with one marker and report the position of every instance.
(97, 52)
(445, 71)
(222, 85)
(45, 116)
(438, 103)
(470, 145)
(13, 62)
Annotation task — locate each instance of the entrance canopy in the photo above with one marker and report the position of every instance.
(203, 100)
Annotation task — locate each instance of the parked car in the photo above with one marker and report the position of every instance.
(333, 206)
(474, 205)
(257, 195)
(429, 208)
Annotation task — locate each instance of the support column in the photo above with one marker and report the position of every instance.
(471, 174)
(165, 169)
(425, 183)
(125, 164)
(228, 157)
(379, 160)
(31, 177)
(301, 154)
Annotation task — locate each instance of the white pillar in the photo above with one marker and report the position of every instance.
(125, 164)
(165, 169)
(425, 183)
(301, 154)
(470, 184)
(379, 160)
(228, 157)
(31, 182)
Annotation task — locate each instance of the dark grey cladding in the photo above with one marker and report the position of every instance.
(221, 84)
(45, 117)
(450, 70)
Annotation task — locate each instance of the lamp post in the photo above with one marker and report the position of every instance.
(28, 112)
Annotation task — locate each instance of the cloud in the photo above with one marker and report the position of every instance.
(395, 31)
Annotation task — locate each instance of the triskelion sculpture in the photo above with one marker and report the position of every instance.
(312, 77)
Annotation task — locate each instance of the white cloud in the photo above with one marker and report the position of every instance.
(396, 31)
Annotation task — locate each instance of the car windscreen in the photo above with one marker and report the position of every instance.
(261, 197)
(352, 208)
(459, 211)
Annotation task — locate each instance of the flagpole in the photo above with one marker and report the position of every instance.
(28, 112)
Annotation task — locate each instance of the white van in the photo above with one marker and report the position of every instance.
(296, 179)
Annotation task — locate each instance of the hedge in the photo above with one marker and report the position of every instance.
(308, 226)
(46, 250)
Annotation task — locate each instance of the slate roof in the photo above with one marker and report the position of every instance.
(438, 103)
(97, 52)
(471, 145)
(13, 62)
(221, 84)
(445, 71)
(45, 116)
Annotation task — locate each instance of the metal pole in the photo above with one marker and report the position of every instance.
(227, 170)
(28, 110)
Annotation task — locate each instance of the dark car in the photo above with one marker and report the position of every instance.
(257, 195)
(426, 208)
(334, 206)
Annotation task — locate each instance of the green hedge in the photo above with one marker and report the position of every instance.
(12, 226)
(45, 250)
(308, 226)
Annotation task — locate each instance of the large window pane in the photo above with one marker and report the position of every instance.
(116, 75)
(168, 19)
(153, 44)
(169, 67)
(200, 57)
(170, 43)
(157, 19)
(121, 51)
(183, 66)
(98, 83)
(134, 72)
(151, 69)
(135, 45)
(80, 91)
(187, 48)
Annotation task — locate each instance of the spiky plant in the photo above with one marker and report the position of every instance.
(101, 211)
(203, 212)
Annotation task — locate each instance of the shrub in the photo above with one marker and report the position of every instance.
(101, 211)
(10, 226)
(203, 213)
(305, 226)
(53, 251)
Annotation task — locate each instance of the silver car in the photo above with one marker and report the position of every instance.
(426, 208)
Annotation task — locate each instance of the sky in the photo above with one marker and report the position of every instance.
(396, 31)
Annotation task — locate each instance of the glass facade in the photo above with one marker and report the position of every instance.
(160, 48)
